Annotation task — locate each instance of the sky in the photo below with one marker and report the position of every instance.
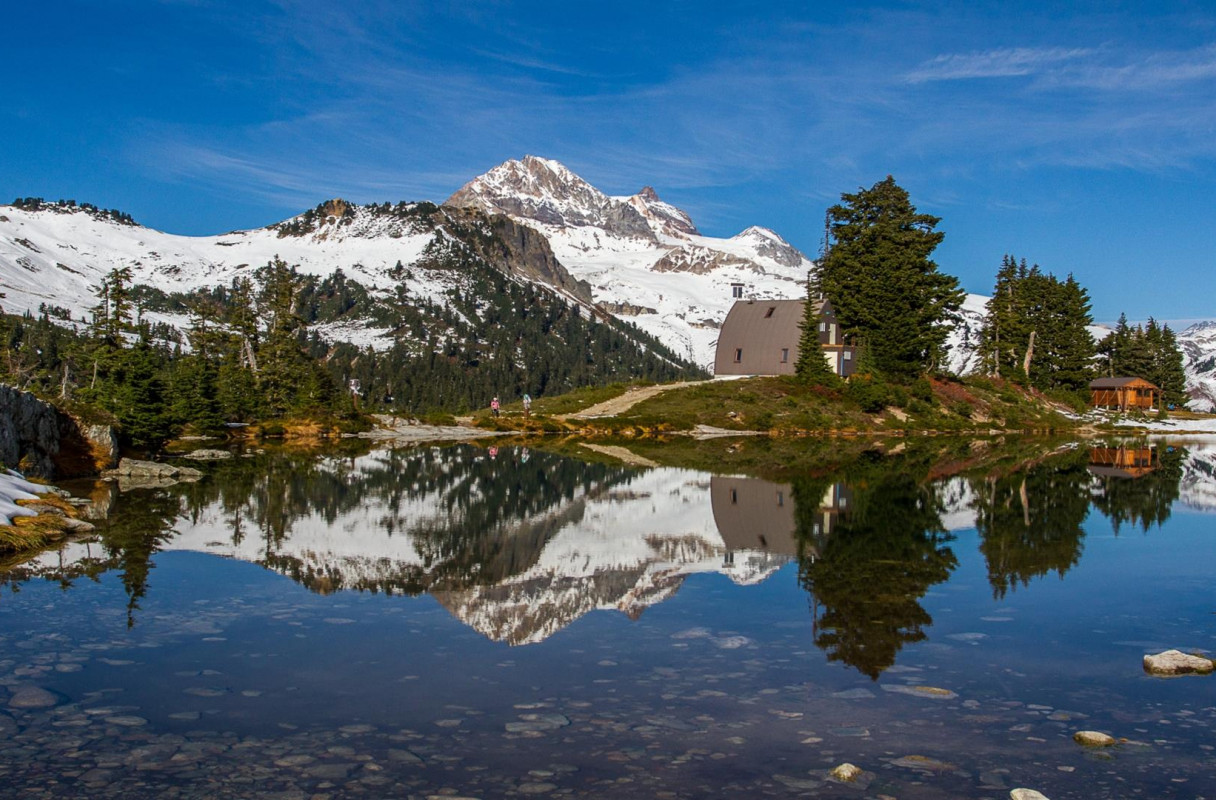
(1079, 136)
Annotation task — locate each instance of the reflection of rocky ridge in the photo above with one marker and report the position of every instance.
(606, 539)
(629, 551)
(1197, 489)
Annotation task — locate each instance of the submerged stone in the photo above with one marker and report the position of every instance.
(931, 692)
(923, 763)
(32, 697)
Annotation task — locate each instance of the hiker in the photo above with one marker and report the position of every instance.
(527, 405)
(494, 406)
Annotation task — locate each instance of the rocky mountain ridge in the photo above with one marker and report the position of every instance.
(636, 258)
(641, 253)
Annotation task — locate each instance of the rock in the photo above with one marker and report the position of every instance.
(846, 772)
(29, 432)
(32, 697)
(154, 469)
(78, 525)
(1094, 739)
(923, 763)
(1176, 662)
(1027, 794)
(44, 508)
(331, 772)
(209, 455)
(103, 444)
(930, 692)
(536, 788)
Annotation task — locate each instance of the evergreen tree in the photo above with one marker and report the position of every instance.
(284, 377)
(1036, 330)
(1171, 374)
(812, 368)
(1148, 351)
(885, 288)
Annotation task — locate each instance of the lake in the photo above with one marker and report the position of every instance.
(523, 622)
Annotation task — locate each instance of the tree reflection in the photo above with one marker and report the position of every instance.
(1143, 498)
(1029, 522)
(871, 571)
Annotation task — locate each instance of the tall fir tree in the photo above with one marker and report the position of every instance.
(1171, 372)
(1036, 330)
(812, 367)
(879, 276)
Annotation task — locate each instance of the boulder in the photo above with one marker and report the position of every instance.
(846, 772)
(1026, 794)
(1094, 739)
(1176, 662)
(135, 468)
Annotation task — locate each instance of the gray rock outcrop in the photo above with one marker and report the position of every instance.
(29, 432)
(45, 442)
(135, 474)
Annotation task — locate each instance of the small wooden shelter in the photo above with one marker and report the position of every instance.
(1124, 393)
(1122, 461)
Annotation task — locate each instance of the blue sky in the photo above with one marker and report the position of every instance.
(1079, 136)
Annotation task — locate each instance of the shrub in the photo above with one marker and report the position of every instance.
(870, 393)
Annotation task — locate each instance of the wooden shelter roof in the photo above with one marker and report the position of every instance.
(1120, 383)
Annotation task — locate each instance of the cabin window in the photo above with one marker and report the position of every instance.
(734, 497)
(780, 499)
(770, 311)
(738, 354)
(785, 355)
(847, 355)
(823, 326)
(736, 290)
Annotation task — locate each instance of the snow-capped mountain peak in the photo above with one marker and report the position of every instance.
(545, 191)
(664, 218)
(643, 258)
(1198, 345)
(768, 243)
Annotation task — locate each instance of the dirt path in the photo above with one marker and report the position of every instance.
(622, 403)
(625, 455)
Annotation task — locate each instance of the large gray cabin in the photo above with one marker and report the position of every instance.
(760, 337)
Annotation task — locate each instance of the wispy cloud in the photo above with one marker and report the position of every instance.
(1001, 63)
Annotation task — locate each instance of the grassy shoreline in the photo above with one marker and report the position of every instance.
(781, 406)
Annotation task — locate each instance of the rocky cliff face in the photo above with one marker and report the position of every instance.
(525, 251)
(29, 433)
(43, 442)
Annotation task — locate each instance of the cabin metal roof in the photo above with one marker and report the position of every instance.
(1119, 383)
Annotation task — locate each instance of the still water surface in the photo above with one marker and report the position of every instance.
(511, 623)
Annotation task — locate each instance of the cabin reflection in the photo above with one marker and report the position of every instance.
(757, 516)
(1123, 461)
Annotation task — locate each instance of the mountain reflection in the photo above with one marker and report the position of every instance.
(519, 543)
